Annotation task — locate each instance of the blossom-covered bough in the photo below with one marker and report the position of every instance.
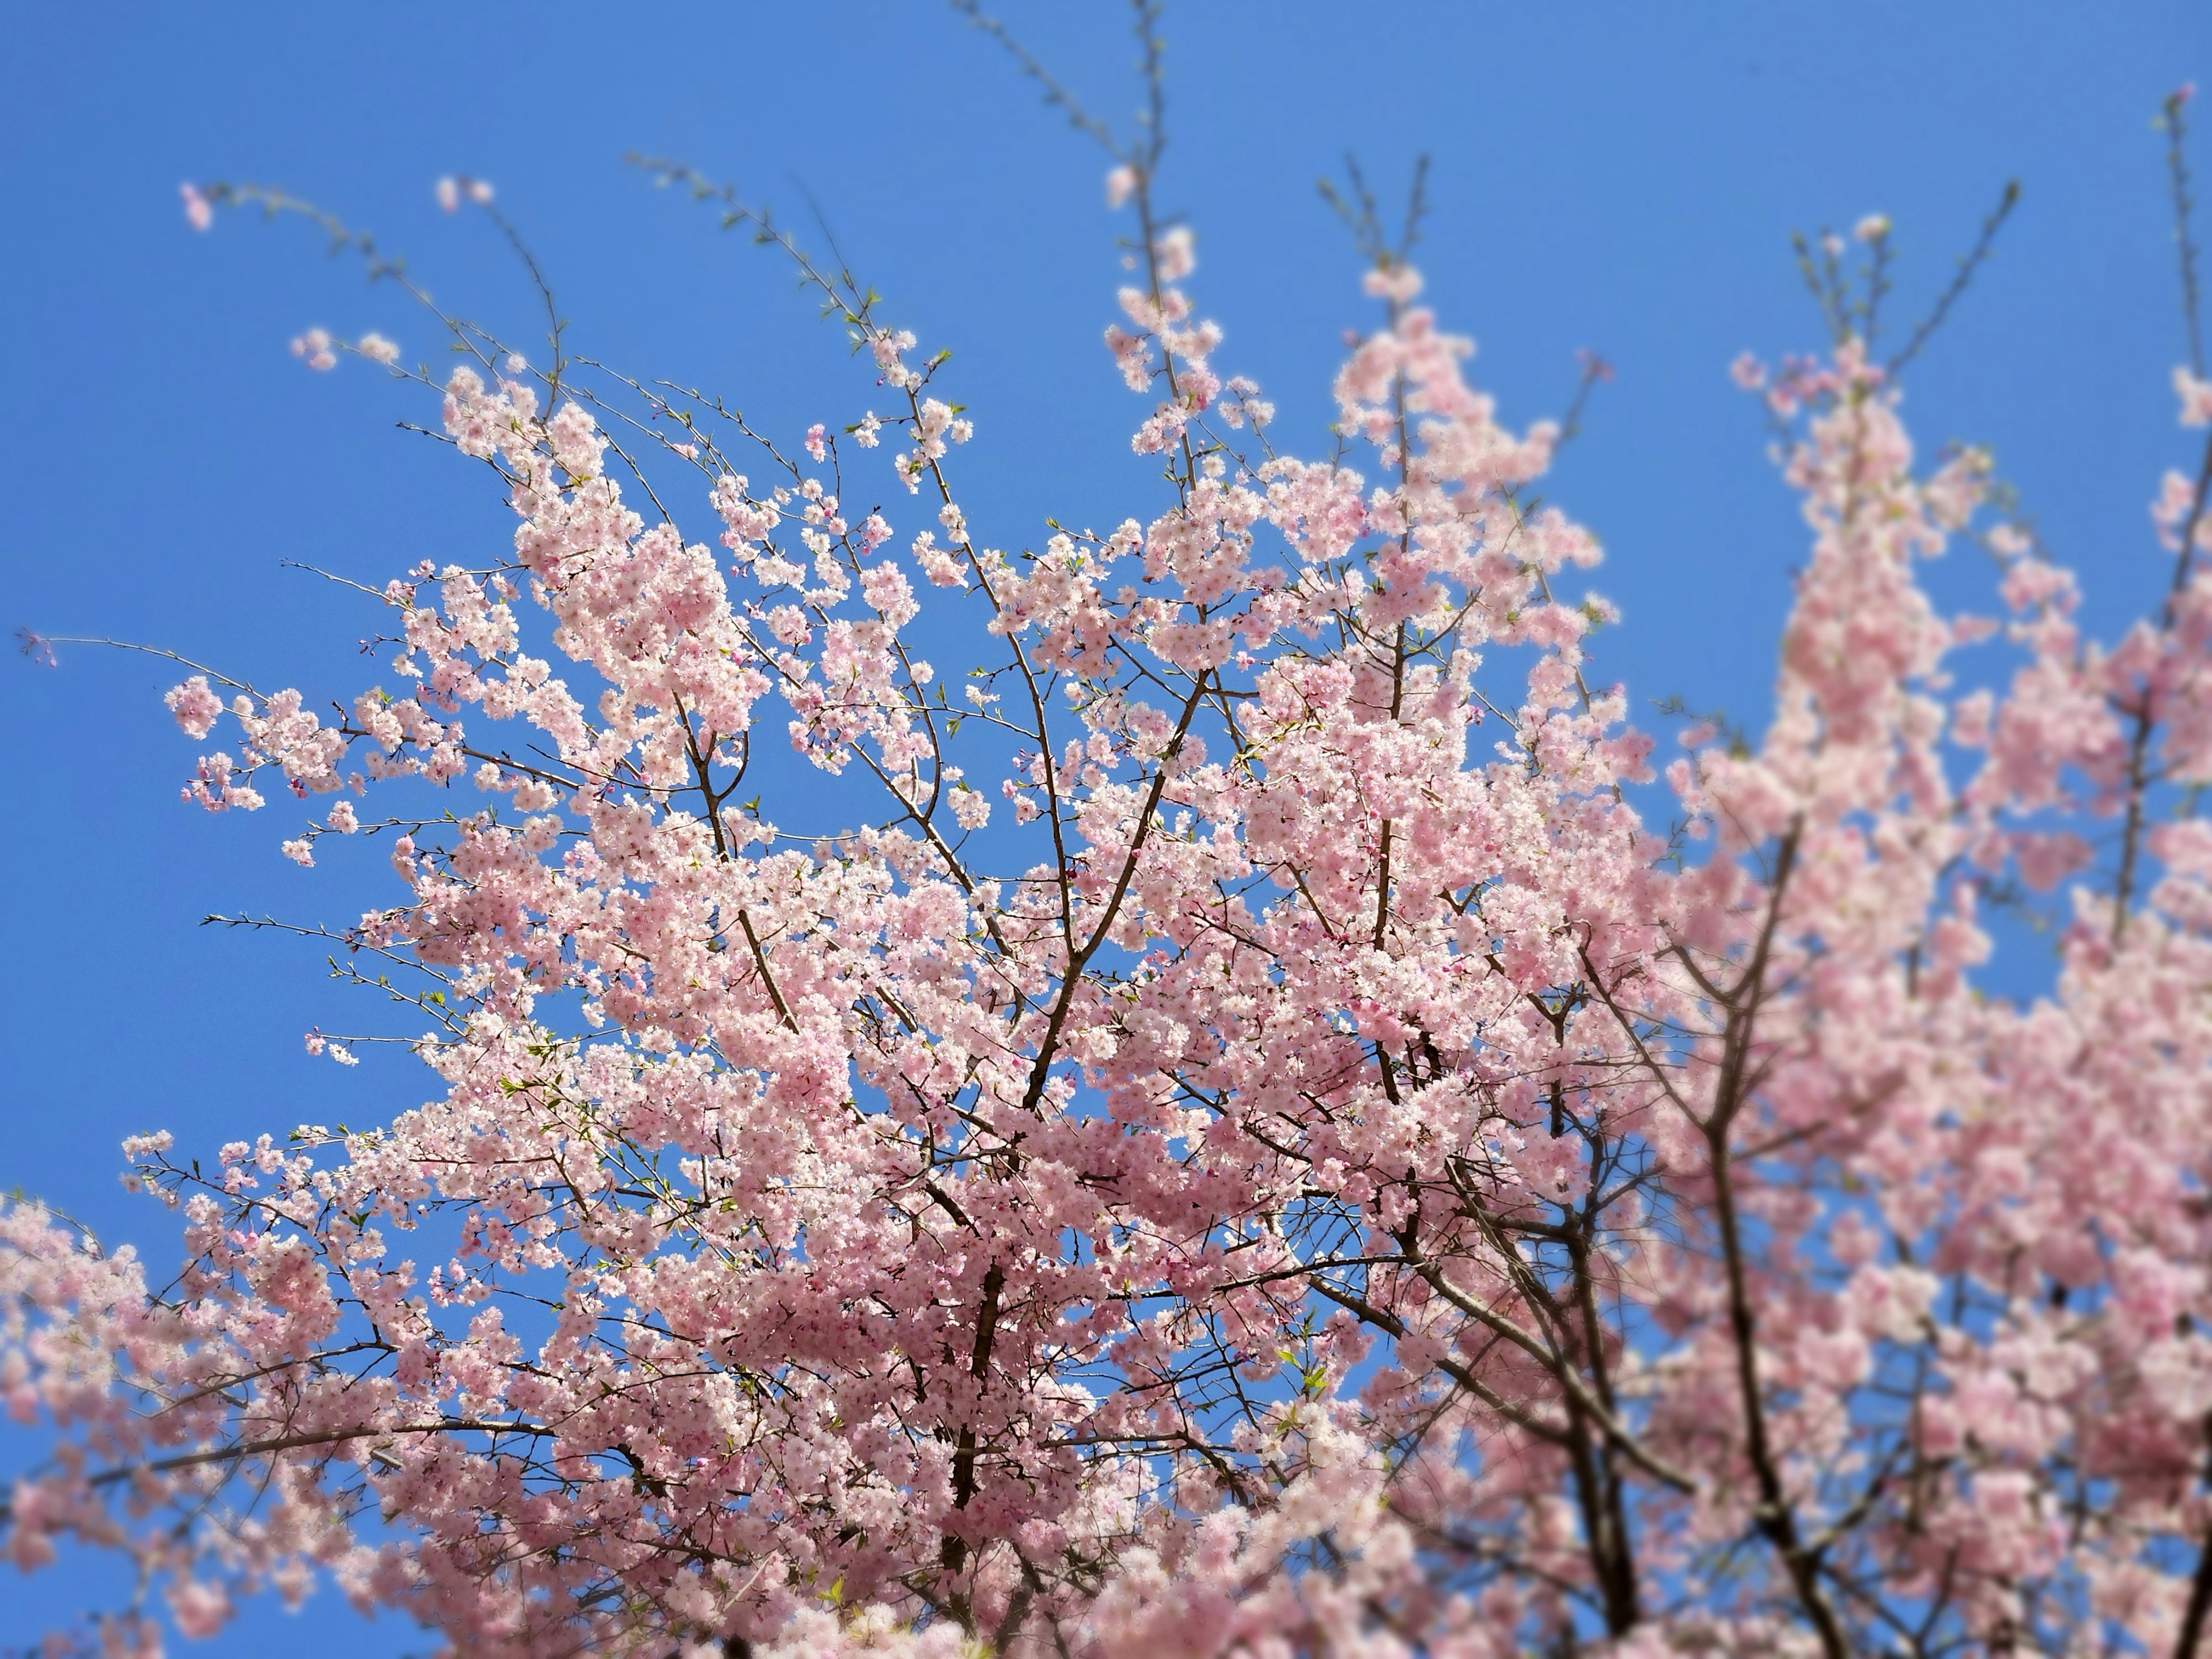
(1356, 1165)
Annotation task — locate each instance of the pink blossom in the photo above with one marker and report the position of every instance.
(195, 705)
(2196, 397)
(453, 190)
(1396, 283)
(1342, 1164)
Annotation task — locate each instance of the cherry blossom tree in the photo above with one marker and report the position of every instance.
(1287, 1128)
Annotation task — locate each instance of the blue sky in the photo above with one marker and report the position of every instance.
(1606, 177)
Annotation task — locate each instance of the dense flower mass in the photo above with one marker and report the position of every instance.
(1266, 1142)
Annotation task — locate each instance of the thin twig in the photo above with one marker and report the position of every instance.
(1984, 246)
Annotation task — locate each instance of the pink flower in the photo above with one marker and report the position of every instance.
(199, 213)
(1397, 283)
(455, 189)
(2196, 397)
(195, 705)
(201, 1609)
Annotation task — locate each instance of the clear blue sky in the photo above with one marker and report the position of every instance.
(1617, 177)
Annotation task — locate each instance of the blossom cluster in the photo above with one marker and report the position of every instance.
(1353, 1159)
